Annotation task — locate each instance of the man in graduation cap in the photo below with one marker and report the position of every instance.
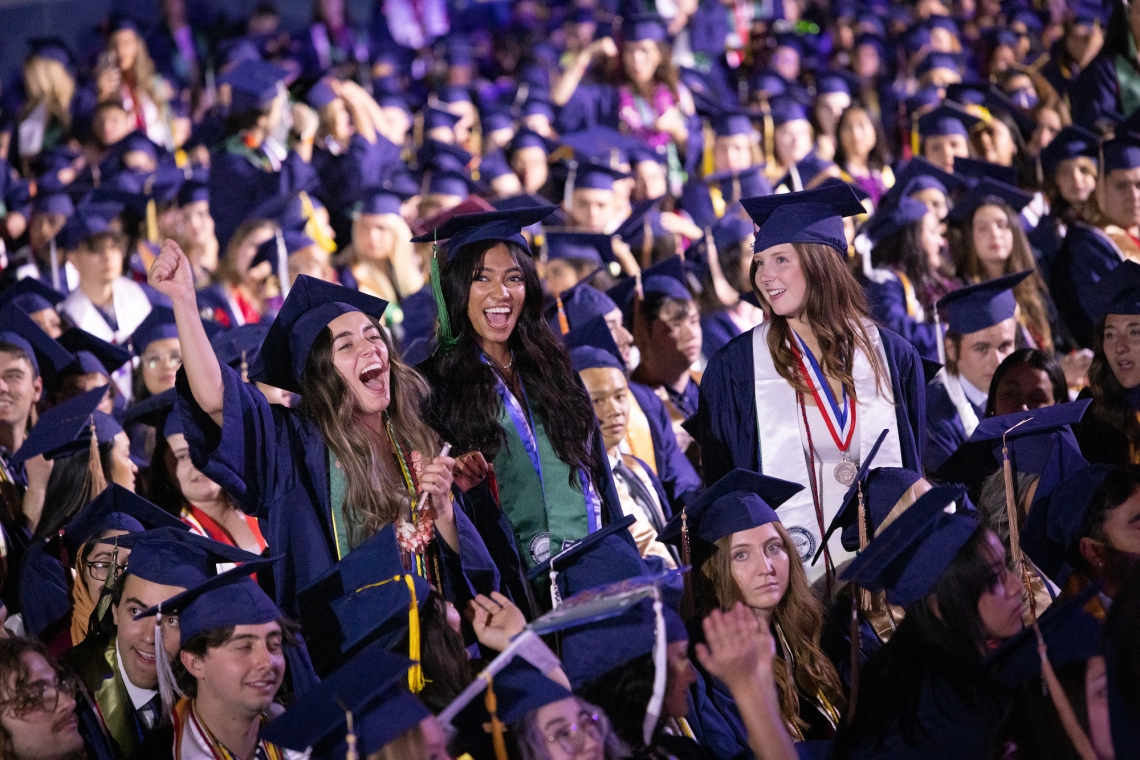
(591, 198)
(50, 211)
(945, 135)
(981, 331)
(38, 301)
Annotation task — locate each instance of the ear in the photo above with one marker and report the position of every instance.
(37, 389)
(951, 349)
(193, 663)
(1093, 551)
(115, 614)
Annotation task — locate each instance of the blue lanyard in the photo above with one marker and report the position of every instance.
(819, 379)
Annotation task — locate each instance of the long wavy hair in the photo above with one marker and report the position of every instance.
(836, 308)
(466, 410)
(1032, 292)
(1110, 405)
(903, 252)
(376, 494)
(48, 81)
(799, 615)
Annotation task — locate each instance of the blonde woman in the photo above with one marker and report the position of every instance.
(382, 257)
(45, 120)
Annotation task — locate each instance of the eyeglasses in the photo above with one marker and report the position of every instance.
(41, 696)
(99, 570)
(173, 360)
(572, 738)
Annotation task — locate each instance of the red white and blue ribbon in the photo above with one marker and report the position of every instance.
(839, 417)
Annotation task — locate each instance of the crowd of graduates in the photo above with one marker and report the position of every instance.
(596, 379)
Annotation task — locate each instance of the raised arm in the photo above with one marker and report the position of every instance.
(171, 275)
(564, 89)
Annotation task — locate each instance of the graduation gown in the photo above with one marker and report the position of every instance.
(273, 461)
(1087, 255)
(894, 308)
(96, 664)
(705, 201)
(344, 175)
(674, 470)
(131, 304)
(726, 419)
(717, 329)
(1096, 92)
(45, 598)
(945, 428)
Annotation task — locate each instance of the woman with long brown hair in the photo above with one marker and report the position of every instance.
(808, 391)
(741, 553)
(126, 73)
(239, 295)
(354, 460)
(991, 243)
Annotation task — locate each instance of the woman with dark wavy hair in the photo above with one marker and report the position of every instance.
(805, 395)
(356, 458)
(507, 397)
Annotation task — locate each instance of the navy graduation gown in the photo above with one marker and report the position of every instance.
(696, 196)
(717, 330)
(214, 306)
(343, 176)
(237, 187)
(944, 429)
(887, 299)
(45, 599)
(273, 461)
(1086, 256)
(1096, 92)
(726, 419)
(713, 730)
(674, 470)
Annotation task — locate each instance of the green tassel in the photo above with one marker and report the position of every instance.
(447, 340)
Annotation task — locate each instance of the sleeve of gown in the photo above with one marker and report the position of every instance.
(44, 598)
(471, 571)
(888, 306)
(1096, 92)
(242, 455)
(710, 426)
(674, 469)
(912, 383)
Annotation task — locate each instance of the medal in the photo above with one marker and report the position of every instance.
(846, 471)
(839, 418)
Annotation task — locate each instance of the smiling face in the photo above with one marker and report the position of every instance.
(567, 723)
(935, 200)
(1000, 606)
(360, 357)
(760, 566)
(779, 277)
(136, 637)
(244, 673)
(495, 299)
(1121, 348)
(196, 488)
(19, 389)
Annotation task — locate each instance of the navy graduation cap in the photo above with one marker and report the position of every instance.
(116, 508)
(292, 240)
(976, 307)
(788, 108)
(641, 226)
(45, 354)
(378, 708)
(1051, 533)
(1120, 292)
(492, 166)
(810, 216)
(1122, 152)
(308, 309)
(988, 191)
(227, 599)
(439, 118)
(65, 429)
(594, 335)
(908, 556)
(946, 120)
(741, 500)
(159, 411)
(890, 221)
(520, 688)
(172, 555)
(648, 26)
(31, 295)
(320, 94)
(932, 61)
(528, 138)
(666, 278)
(193, 191)
(158, 325)
(579, 304)
(732, 228)
(440, 156)
(591, 175)
(588, 246)
(93, 354)
(253, 84)
(973, 169)
(1073, 141)
(728, 123)
(380, 200)
(603, 557)
(238, 347)
(451, 182)
(465, 229)
(52, 202)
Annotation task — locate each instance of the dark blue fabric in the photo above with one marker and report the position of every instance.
(1096, 92)
(719, 731)
(725, 423)
(274, 463)
(344, 177)
(214, 306)
(676, 473)
(696, 201)
(237, 187)
(1084, 259)
(944, 429)
(43, 591)
(887, 300)
(717, 330)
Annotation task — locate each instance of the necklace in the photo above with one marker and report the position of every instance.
(510, 364)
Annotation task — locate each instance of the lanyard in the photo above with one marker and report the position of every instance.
(839, 418)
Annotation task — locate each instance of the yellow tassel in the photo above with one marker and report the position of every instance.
(416, 672)
(769, 135)
(152, 221)
(563, 322)
(708, 166)
(915, 139)
(312, 229)
(491, 702)
(1015, 554)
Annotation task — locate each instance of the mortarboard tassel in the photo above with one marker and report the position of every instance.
(447, 339)
(1019, 564)
(568, 195)
(915, 138)
(104, 602)
(416, 672)
(687, 598)
(938, 336)
(152, 221)
(769, 133)
(1061, 702)
(653, 710)
(312, 228)
(1100, 179)
(563, 322)
(53, 251)
(859, 599)
(555, 596)
(350, 751)
(708, 164)
(167, 685)
(96, 481)
(282, 264)
(491, 702)
(244, 368)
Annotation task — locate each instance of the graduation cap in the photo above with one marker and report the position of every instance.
(788, 108)
(65, 429)
(439, 118)
(1120, 293)
(173, 555)
(907, 557)
(53, 203)
(53, 49)
(538, 104)
(158, 325)
(449, 182)
(1071, 142)
(591, 175)
(291, 241)
(93, 354)
(837, 80)
(647, 26)
(918, 175)
(665, 278)
(520, 688)
(120, 22)
(494, 165)
(497, 120)
(308, 309)
(1121, 152)
(528, 138)
(642, 226)
(506, 226)
(602, 557)
(30, 295)
(935, 61)
(45, 355)
(442, 156)
(601, 145)
(347, 712)
(320, 94)
(1052, 530)
(731, 122)
(587, 246)
(158, 411)
(976, 307)
(116, 508)
(253, 84)
(739, 501)
(732, 228)
(578, 305)
(810, 216)
(891, 221)
(974, 169)
(945, 120)
(986, 192)
(193, 191)
(996, 101)
(595, 345)
(238, 347)
(227, 599)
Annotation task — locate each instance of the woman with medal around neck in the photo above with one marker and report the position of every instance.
(506, 395)
(802, 395)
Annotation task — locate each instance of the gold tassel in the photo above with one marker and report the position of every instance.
(1061, 702)
(152, 221)
(563, 322)
(491, 702)
(350, 752)
(708, 164)
(416, 672)
(312, 228)
(96, 481)
(1019, 564)
(915, 138)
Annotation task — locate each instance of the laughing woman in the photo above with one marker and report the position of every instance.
(344, 466)
(506, 395)
(825, 379)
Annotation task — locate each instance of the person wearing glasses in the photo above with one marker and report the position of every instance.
(37, 705)
(155, 343)
(569, 729)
